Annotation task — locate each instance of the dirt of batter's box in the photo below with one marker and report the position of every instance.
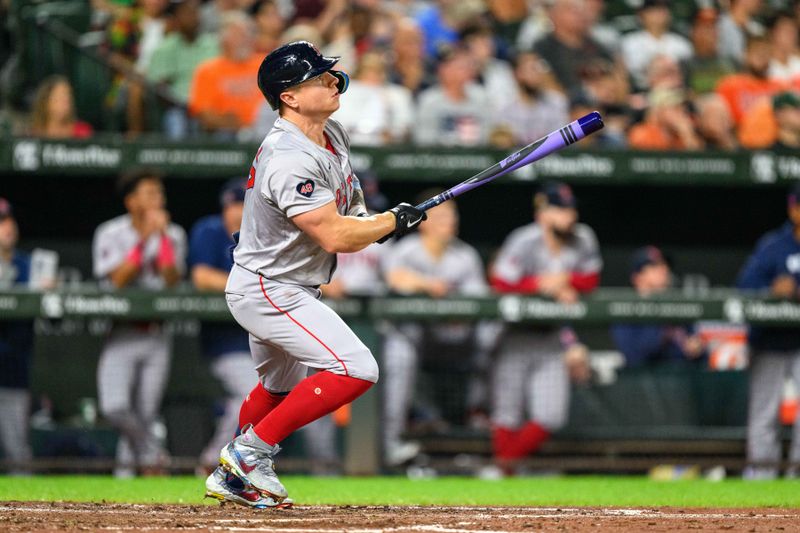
(83, 517)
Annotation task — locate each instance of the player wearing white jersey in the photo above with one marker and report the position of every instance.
(303, 205)
(140, 249)
(556, 257)
(437, 264)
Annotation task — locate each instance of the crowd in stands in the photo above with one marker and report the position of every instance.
(723, 74)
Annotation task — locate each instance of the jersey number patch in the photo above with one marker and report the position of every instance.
(306, 188)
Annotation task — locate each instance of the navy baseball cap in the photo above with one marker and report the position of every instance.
(5, 209)
(232, 192)
(645, 256)
(558, 194)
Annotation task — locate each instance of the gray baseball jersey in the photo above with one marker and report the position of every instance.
(113, 240)
(524, 253)
(460, 265)
(292, 175)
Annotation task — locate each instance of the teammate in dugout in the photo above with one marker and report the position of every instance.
(303, 205)
(141, 249)
(774, 267)
(437, 264)
(16, 351)
(225, 345)
(559, 258)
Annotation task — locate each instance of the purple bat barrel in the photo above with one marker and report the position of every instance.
(561, 138)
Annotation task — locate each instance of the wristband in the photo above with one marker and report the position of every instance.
(166, 253)
(135, 255)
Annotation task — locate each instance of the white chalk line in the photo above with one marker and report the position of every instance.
(493, 513)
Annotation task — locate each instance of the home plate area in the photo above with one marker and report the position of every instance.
(58, 516)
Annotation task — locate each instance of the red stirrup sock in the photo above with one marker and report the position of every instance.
(257, 405)
(502, 438)
(529, 439)
(312, 398)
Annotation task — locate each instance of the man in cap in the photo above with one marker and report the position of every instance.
(555, 257)
(773, 269)
(225, 345)
(643, 344)
(786, 106)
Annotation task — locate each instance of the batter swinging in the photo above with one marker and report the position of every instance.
(303, 205)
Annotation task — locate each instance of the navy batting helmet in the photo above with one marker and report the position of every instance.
(292, 64)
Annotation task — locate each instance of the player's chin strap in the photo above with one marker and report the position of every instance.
(343, 80)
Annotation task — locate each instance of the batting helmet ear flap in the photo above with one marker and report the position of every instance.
(342, 80)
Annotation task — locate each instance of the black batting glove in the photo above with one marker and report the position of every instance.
(407, 219)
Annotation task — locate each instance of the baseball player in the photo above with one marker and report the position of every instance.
(303, 205)
(773, 267)
(555, 257)
(226, 345)
(437, 264)
(16, 350)
(654, 344)
(141, 249)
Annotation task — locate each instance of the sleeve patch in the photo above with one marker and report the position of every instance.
(305, 188)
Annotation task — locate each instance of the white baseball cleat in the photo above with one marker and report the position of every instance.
(251, 459)
(226, 487)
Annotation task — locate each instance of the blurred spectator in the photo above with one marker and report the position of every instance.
(569, 47)
(601, 31)
(665, 73)
(410, 67)
(742, 91)
(667, 124)
(175, 60)
(507, 17)
(714, 123)
(375, 112)
(223, 95)
(441, 21)
(437, 264)
(53, 112)
(556, 257)
(537, 107)
(494, 74)
(226, 345)
(131, 39)
(456, 110)
(647, 344)
(608, 90)
(640, 47)
(787, 117)
(140, 249)
(16, 351)
(707, 66)
(269, 25)
(736, 25)
(773, 268)
(785, 62)
(212, 12)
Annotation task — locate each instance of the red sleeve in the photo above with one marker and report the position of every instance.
(584, 281)
(82, 130)
(528, 285)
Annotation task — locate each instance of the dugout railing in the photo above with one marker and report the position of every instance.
(640, 419)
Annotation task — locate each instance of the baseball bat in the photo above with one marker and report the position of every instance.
(552, 142)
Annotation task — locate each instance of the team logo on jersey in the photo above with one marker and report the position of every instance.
(306, 188)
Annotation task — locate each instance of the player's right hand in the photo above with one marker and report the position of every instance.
(406, 219)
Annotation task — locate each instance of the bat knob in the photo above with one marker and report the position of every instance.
(591, 123)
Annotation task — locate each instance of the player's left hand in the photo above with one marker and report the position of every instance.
(577, 360)
(407, 219)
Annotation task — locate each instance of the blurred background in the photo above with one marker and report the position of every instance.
(652, 326)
